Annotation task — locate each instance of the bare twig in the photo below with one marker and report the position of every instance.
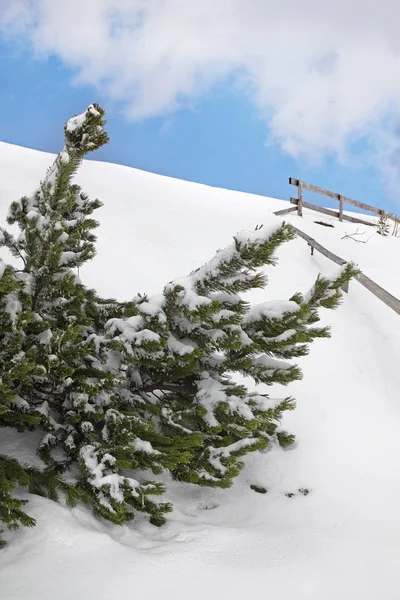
(352, 236)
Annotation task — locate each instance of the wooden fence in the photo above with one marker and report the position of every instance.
(371, 286)
(302, 185)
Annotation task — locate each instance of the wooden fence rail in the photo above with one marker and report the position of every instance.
(379, 292)
(332, 213)
(284, 211)
(314, 245)
(375, 289)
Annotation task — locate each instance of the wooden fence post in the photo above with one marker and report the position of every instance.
(300, 197)
(341, 209)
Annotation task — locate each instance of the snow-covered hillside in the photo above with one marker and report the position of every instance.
(339, 540)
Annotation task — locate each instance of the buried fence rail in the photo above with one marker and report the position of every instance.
(314, 245)
(375, 289)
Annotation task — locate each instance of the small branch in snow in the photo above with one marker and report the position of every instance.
(352, 236)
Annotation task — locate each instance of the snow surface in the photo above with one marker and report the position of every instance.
(340, 536)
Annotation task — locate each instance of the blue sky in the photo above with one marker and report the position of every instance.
(217, 137)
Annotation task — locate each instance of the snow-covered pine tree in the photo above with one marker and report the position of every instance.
(127, 389)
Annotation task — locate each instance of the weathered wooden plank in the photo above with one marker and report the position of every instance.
(314, 244)
(351, 219)
(314, 188)
(284, 211)
(320, 209)
(336, 259)
(323, 192)
(367, 207)
(379, 292)
(331, 213)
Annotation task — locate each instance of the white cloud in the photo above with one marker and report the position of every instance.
(321, 73)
